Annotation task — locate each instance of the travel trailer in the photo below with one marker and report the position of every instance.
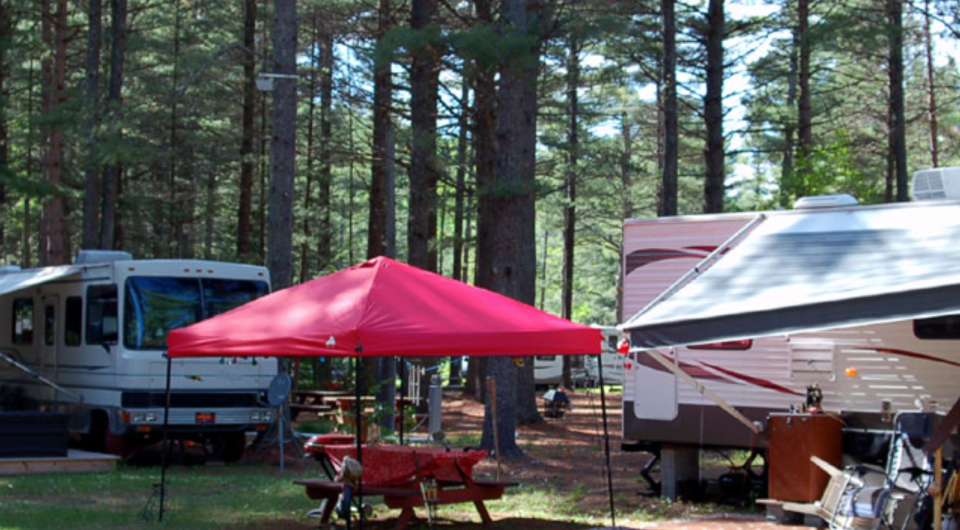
(866, 371)
(97, 330)
(548, 369)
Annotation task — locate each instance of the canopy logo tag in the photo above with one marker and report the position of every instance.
(331, 342)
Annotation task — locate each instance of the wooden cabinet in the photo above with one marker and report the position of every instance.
(794, 438)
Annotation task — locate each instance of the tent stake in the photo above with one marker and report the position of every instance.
(165, 444)
(606, 440)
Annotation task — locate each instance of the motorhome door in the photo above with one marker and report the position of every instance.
(654, 389)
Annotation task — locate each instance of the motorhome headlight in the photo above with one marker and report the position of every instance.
(268, 416)
(144, 417)
(256, 416)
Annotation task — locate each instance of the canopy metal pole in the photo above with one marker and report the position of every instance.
(165, 445)
(358, 430)
(403, 394)
(606, 440)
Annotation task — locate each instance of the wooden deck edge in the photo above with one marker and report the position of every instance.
(75, 462)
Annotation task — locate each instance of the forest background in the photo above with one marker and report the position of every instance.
(498, 142)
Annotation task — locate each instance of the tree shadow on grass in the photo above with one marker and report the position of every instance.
(443, 523)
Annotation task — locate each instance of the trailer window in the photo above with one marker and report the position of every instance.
(155, 305)
(939, 328)
(73, 321)
(22, 321)
(49, 324)
(101, 314)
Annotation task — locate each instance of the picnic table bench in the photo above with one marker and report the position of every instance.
(406, 498)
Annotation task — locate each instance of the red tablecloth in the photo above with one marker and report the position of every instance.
(394, 465)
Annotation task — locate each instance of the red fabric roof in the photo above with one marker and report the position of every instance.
(383, 307)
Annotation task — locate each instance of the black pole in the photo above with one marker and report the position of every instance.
(403, 394)
(358, 430)
(166, 447)
(606, 441)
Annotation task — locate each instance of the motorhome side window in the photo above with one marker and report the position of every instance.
(73, 322)
(939, 328)
(22, 325)
(102, 314)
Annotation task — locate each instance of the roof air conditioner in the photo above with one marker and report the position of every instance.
(85, 257)
(937, 184)
(814, 202)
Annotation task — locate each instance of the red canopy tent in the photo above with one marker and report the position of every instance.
(383, 308)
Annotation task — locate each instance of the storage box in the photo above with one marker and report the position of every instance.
(33, 434)
(794, 438)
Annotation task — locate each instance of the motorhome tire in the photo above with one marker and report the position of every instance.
(120, 445)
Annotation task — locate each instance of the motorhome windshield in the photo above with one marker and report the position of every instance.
(154, 305)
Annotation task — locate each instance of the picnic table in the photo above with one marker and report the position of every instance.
(397, 472)
(316, 401)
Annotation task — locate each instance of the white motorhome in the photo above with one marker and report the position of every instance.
(864, 371)
(98, 329)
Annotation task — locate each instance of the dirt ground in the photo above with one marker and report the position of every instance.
(567, 455)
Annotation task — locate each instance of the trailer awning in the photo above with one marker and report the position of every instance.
(808, 270)
(16, 280)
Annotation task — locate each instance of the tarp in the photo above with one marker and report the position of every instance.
(383, 307)
(22, 279)
(808, 270)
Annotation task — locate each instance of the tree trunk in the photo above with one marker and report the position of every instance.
(787, 176)
(570, 185)
(931, 87)
(53, 240)
(112, 171)
(380, 178)
(626, 181)
(6, 36)
(308, 218)
(176, 212)
(462, 146)
(247, 159)
(805, 117)
(422, 206)
(283, 146)
(508, 264)
(91, 101)
(325, 237)
(421, 225)
(667, 203)
(713, 109)
(898, 135)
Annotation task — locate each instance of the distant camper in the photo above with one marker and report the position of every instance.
(98, 329)
(548, 369)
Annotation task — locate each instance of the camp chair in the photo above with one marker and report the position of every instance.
(828, 506)
(900, 496)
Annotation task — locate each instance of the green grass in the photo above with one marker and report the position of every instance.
(200, 497)
(241, 496)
